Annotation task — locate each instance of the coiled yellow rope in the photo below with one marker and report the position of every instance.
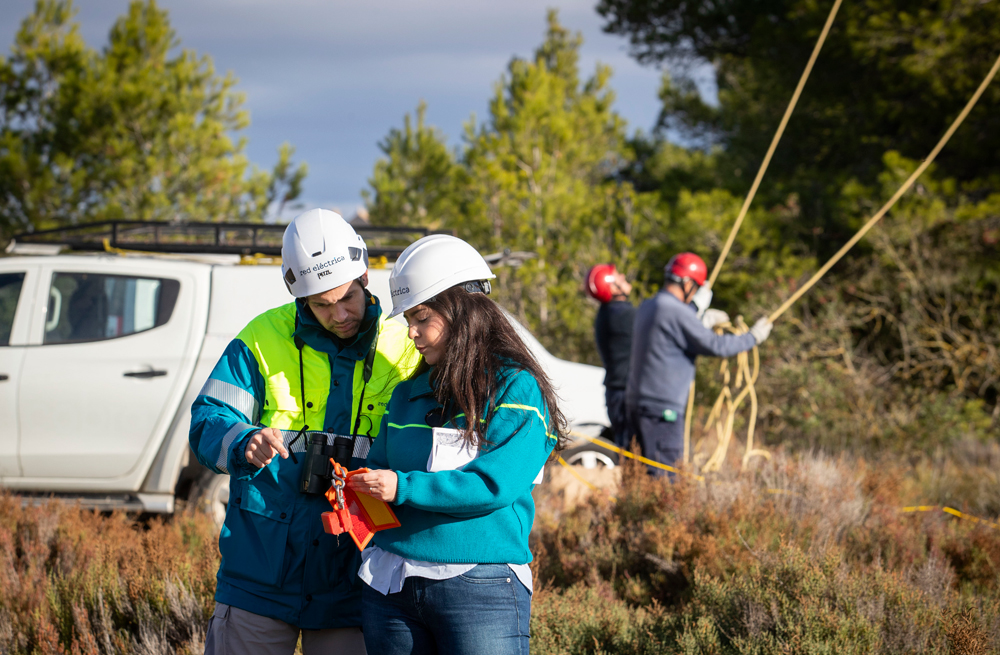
(723, 413)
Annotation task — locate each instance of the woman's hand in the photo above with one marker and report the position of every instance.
(380, 483)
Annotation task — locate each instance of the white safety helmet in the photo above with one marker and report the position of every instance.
(433, 264)
(321, 251)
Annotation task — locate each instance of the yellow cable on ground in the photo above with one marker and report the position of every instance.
(648, 462)
(774, 144)
(952, 511)
(919, 508)
(896, 196)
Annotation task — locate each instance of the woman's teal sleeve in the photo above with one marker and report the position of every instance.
(519, 443)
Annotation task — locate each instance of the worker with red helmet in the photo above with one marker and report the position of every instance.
(613, 334)
(669, 334)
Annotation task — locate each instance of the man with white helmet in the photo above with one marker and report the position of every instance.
(313, 374)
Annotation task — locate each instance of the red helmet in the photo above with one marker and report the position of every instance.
(599, 281)
(686, 265)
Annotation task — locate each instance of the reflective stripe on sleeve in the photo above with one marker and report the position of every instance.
(227, 442)
(236, 397)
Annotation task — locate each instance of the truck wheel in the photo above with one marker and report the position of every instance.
(590, 455)
(211, 495)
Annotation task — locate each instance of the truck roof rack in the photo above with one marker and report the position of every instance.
(206, 238)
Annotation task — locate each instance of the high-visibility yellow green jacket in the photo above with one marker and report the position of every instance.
(276, 559)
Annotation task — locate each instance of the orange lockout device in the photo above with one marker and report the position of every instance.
(359, 515)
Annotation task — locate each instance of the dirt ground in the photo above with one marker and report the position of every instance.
(562, 490)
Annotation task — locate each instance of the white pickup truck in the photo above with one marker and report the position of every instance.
(101, 356)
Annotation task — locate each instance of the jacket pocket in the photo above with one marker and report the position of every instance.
(253, 540)
(283, 408)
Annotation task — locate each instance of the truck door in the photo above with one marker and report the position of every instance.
(102, 386)
(16, 290)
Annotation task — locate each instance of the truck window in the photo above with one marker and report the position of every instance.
(92, 307)
(10, 291)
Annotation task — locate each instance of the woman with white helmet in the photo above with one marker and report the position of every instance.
(461, 446)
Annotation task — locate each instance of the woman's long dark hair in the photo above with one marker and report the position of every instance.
(481, 344)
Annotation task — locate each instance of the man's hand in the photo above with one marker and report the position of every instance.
(761, 330)
(702, 299)
(264, 445)
(714, 317)
(380, 483)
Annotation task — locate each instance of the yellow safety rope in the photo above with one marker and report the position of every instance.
(774, 144)
(720, 451)
(786, 492)
(687, 424)
(724, 430)
(896, 196)
(952, 511)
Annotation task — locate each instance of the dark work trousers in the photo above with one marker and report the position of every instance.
(615, 400)
(661, 440)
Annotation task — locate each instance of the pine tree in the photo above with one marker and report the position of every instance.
(130, 132)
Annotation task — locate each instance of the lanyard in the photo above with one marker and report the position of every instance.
(366, 376)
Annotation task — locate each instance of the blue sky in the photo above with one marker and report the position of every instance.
(332, 77)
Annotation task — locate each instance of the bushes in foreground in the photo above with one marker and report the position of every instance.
(802, 555)
(786, 603)
(74, 581)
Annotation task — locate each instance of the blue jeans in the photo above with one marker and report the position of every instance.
(485, 611)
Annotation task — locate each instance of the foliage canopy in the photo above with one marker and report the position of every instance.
(892, 76)
(897, 347)
(139, 130)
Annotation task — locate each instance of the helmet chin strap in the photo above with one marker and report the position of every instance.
(689, 295)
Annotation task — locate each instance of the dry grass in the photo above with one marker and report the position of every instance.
(805, 553)
(74, 581)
